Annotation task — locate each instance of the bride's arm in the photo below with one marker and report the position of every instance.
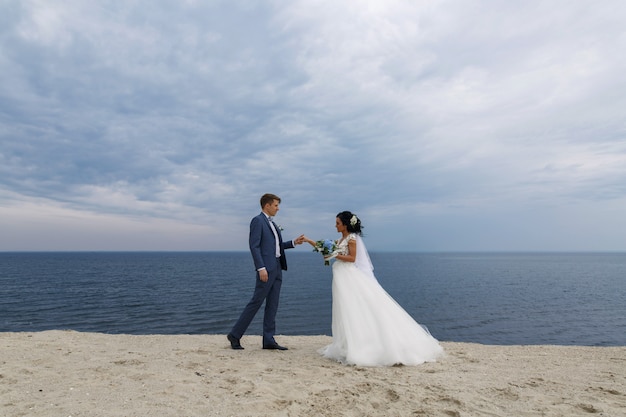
(309, 241)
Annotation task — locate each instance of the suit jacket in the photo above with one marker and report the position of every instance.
(263, 244)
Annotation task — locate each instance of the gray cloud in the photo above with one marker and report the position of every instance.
(418, 116)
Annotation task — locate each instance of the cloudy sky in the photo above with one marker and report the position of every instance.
(445, 125)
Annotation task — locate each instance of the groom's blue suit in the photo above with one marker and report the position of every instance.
(263, 249)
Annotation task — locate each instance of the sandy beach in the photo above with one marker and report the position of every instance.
(67, 373)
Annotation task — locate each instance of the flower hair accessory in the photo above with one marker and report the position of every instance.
(353, 220)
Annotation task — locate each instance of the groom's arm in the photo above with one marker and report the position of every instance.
(255, 242)
(292, 243)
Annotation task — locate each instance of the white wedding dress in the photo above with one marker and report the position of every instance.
(369, 327)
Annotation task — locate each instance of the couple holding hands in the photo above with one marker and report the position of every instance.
(369, 327)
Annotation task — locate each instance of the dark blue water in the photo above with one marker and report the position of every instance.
(547, 298)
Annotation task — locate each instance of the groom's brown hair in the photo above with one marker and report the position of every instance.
(268, 199)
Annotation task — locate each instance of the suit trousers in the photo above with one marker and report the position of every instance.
(263, 291)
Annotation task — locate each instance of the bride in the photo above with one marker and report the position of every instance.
(369, 327)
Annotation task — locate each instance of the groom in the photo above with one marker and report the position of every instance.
(268, 253)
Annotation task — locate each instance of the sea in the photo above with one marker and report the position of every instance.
(488, 298)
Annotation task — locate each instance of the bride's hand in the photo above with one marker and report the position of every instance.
(331, 256)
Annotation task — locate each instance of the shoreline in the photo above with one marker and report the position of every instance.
(69, 373)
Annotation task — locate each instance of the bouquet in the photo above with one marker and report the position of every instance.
(325, 247)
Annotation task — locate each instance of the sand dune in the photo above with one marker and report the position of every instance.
(67, 373)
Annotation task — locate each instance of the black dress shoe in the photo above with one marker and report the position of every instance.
(234, 342)
(274, 346)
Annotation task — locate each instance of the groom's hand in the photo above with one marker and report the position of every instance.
(299, 240)
(263, 275)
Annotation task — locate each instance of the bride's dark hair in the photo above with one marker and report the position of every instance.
(350, 220)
